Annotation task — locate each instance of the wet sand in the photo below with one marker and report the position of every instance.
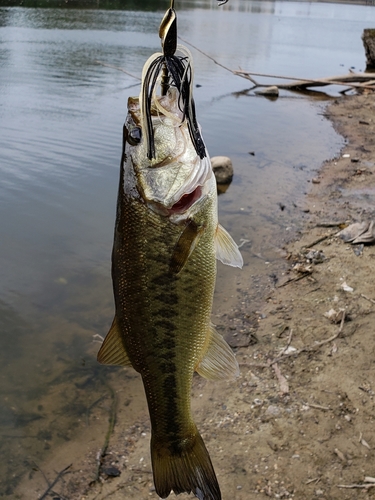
(299, 422)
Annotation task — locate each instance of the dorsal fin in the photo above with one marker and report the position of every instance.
(112, 351)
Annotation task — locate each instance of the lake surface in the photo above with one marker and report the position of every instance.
(61, 116)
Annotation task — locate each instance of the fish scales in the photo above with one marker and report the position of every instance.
(166, 314)
(167, 239)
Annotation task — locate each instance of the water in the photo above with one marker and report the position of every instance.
(61, 115)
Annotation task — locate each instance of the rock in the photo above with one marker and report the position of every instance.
(368, 38)
(315, 256)
(273, 410)
(223, 169)
(268, 91)
(112, 471)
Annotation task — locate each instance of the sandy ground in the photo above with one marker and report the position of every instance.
(299, 422)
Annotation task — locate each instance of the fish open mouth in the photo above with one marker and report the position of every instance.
(186, 201)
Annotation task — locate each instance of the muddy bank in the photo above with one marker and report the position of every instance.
(299, 422)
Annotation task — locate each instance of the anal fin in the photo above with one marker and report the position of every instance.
(112, 351)
(219, 361)
(226, 249)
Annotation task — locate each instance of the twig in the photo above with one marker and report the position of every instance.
(330, 224)
(315, 479)
(353, 486)
(318, 407)
(288, 342)
(301, 83)
(319, 240)
(304, 83)
(51, 485)
(368, 298)
(293, 280)
(311, 348)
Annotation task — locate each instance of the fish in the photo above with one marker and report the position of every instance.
(167, 239)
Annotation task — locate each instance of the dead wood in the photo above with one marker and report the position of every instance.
(354, 80)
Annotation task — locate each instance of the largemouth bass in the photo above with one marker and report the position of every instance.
(167, 239)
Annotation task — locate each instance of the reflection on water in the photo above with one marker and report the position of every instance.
(61, 115)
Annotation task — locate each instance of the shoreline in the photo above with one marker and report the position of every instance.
(299, 421)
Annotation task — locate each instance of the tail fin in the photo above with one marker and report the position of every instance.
(184, 467)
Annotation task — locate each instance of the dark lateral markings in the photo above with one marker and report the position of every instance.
(170, 393)
(165, 324)
(165, 312)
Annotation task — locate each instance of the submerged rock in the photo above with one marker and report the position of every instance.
(272, 91)
(223, 169)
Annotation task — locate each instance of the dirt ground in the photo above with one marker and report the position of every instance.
(299, 422)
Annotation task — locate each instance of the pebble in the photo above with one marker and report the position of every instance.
(273, 410)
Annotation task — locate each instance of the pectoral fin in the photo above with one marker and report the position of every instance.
(185, 245)
(226, 249)
(112, 351)
(218, 362)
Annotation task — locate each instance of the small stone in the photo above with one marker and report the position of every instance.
(315, 180)
(112, 471)
(273, 410)
(346, 287)
(223, 169)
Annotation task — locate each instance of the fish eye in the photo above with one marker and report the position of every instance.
(134, 136)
